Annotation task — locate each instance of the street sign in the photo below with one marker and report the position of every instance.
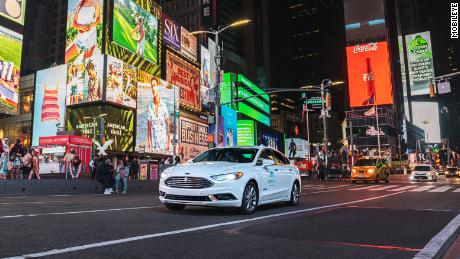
(314, 102)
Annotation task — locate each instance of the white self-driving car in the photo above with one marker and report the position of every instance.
(242, 177)
(424, 172)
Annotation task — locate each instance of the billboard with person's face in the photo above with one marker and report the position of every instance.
(49, 102)
(230, 119)
(135, 29)
(84, 30)
(14, 10)
(158, 102)
(121, 85)
(369, 75)
(10, 68)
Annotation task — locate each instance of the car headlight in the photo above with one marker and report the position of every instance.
(227, 177)
(353, 170)
(370, 171)
(165, 174)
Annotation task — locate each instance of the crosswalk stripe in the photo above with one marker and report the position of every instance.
(441, 189)
(458, 190)
(384, 188)
(364, 188)
(422, 188)
(401, 189)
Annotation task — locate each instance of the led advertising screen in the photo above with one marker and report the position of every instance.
(189, 44)
(10, 68)
(49, 102)
(135, 29)
(212, 64)
(85, 80)
(84, 30)
(369, 76)
(426, 117)
(14, 10)
(171, 32)
(420, 60)
(192, 138)
(230, 118)
(121, 85)
(205, 76)
(245, 133)
(296, 148)
(158, 102)
(179, 72)
(113, 131)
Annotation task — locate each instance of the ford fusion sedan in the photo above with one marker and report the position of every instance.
(242, 177)
(424, 172)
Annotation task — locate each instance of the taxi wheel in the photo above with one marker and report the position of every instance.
(295, 195)
(250, 199)
(173, 206)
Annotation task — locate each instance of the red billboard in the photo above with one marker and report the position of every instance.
(369, 75)
(180, 73)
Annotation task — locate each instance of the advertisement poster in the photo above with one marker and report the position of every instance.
(193, 136)
(49, 103)
(171, 32)
(187, 77)
(10, 67)
(143, 170)
(245, 133)
(403, 76)
(84, 30)
(420, 60)
(230, 126)
(121, 82)
(188, 44)
(14, 10)
(369, 74)
(157, 103)
(205, 75)
(153, 171)
(85, 80)
(300, 150)
(427, 118)
(212, 64)
(135, 29)
(114, 132)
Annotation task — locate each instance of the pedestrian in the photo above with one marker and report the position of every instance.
(134, 169)
(4, 159)
(177, 160)
(321, 171)
(67, 159)
(16, 155)
(35, 166)
(292, 149)
(75, 167)
(27, 164)
(104, 175)
(120, 169)
(93, 166)
(126, 164)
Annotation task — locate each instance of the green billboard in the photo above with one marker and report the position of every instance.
(245, 133)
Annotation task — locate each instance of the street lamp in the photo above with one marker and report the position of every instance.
(216, 33)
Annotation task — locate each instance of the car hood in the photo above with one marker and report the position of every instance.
(204, 169)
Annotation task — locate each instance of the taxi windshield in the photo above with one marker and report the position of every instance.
(366, 162)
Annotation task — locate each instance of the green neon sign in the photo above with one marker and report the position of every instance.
(253, 87)
(243, 94)
(245, 133)
(249, 111)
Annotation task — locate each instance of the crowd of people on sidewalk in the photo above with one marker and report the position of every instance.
(18, 162)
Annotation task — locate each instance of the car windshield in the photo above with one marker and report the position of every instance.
(422, 168)
(366, 162)
(234, 155)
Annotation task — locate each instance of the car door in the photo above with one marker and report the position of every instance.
(285, 175)
(269, 180)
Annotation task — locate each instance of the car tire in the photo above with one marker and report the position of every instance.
(175, 207)
(295, 195)
(250, 199)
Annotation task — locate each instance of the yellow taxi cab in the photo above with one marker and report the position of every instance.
(371, 169)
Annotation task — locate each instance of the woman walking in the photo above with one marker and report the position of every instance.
(75, 167)
(35, 166)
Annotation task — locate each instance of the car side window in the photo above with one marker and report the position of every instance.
(267, 154)
(282, 159)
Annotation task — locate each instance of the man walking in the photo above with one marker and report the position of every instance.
(292, 149)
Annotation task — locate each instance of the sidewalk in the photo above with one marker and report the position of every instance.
(454, 250)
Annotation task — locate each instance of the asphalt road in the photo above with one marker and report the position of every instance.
(335, 219)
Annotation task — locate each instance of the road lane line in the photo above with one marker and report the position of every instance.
(76, 212)
(441, 242)
(384, 188)
(404, 188)
(29, 202)
(422, 188)
(193, 229)
(441, 189)
(364, 188)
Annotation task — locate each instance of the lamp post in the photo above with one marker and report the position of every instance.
(324, 113)
(216, 33)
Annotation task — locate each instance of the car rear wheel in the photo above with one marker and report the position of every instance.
(250, 199)
(295, 195)
(173, 206)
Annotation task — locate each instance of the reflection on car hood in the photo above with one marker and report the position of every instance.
(203, 169)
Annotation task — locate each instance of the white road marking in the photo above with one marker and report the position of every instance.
(76, 212)
(384, 188)
(433, 248)
(364, 188)
(422, 188)
(60, 195)
(441, 189)
(458, 190)
(404, 188)
(29, 202)
(193, 229)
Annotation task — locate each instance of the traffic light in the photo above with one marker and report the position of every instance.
(328, 102)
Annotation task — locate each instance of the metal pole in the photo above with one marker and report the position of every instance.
(175, 126)
(308, 135)
(323, 109)
(217, 97)
(351, 143)
(378, 127)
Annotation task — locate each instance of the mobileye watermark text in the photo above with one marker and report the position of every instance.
(454, 20)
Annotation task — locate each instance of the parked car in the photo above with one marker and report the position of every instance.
(424, 172)
(335, 169)
(371, 169)
(241, 177)
(452, 171)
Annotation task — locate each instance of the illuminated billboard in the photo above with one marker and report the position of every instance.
(205, 75)
(230, 126)
(10, 68)
(192, 137)
(188, 44)
(49, 102)
(426, 117)
(171, 32)
(420, 61)
(14, 10)
(369, 76)
(246, 130)
(157, 104)
(84, 30)
(121, 85)
(135, 29)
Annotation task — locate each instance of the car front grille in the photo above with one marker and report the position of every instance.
(186, 198)
(186, 182)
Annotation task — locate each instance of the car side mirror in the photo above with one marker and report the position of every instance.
(267, 162)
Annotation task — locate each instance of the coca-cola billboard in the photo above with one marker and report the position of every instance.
(369, 74)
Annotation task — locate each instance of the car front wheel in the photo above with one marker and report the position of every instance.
(250, 199)
(295, 194)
